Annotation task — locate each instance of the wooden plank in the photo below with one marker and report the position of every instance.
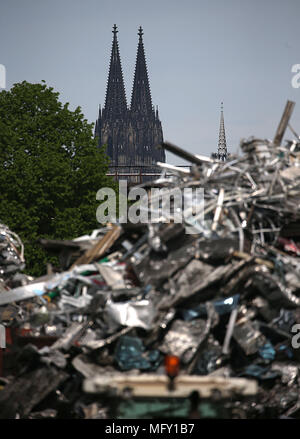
(100, 248)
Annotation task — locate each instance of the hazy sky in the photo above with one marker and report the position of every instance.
(199, 52)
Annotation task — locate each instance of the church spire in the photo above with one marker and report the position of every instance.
(115, 101)
(222, 148)
(141, 96)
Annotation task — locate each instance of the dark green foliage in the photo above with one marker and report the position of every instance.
(50, 169)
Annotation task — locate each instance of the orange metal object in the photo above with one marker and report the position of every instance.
(172, 365)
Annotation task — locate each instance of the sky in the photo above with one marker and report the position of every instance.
(198, 52)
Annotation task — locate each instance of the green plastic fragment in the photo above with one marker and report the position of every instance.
(53, 294)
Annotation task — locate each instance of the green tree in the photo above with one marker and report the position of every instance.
(50, 169)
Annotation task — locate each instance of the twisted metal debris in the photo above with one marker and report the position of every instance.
(12, 260)
(225, 300)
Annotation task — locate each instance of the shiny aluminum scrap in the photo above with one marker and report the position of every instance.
(11, 257)
(256, 193)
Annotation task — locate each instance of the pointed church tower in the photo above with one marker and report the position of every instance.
(115, 102)
(111, 126)
(222, 153)
(144, 119)
(141, 102)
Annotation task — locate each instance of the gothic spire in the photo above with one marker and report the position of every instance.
(115, 101)
(141, 96)
(222, 148)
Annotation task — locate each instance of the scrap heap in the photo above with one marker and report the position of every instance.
(225, 299)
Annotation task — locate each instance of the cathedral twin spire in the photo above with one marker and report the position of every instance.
(115, 101)
(141, 97)
(130, 135)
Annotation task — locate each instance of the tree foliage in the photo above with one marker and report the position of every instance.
(50, 169)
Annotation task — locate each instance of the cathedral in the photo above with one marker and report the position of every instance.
(131, 134)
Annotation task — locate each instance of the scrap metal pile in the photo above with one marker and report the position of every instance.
(225, 299)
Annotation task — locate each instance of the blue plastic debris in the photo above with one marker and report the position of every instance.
(267, 352)
(130, 354)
